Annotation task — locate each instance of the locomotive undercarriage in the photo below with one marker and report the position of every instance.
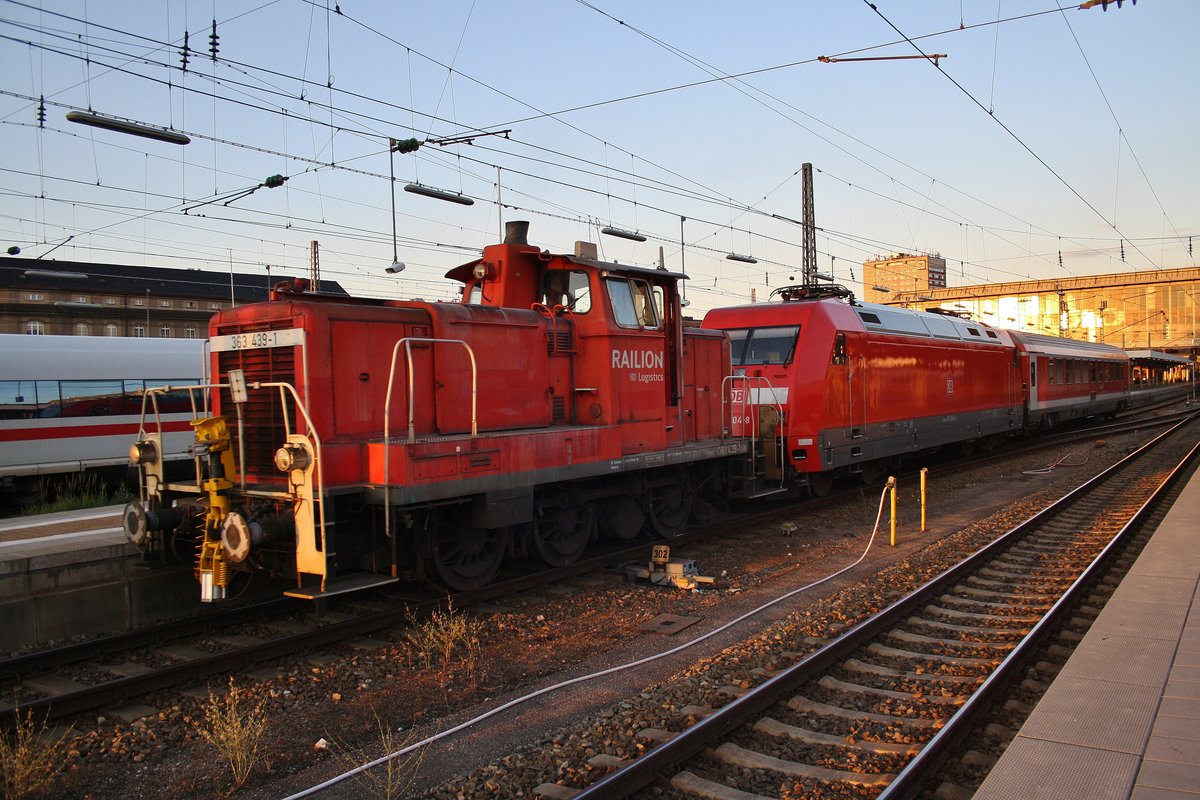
(254, 531)
(452, 550)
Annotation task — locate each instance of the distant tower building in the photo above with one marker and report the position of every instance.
(904, 273)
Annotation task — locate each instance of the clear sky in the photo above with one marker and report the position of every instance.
(1046, 142)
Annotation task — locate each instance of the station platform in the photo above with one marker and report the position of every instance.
(1122, 719)
(73, 573)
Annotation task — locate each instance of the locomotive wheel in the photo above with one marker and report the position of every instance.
(621, 518)
(561, 536)
(670, 507)
(461, 556)
(819, 484)
(873, 472)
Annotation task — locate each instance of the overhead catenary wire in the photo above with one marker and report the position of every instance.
(918, 37)
(1006, 129)
(340, 165)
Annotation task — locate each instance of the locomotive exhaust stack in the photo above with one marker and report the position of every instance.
(516, 232)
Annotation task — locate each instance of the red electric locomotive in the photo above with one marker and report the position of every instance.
(834, 386)
(353, 442)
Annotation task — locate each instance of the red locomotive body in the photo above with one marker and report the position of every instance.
(353, 441)
(356, 442)
(857, 386)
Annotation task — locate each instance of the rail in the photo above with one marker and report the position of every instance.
(640, 772)
(932, 753)
(152, 394)
(408, 342)
(284, 390)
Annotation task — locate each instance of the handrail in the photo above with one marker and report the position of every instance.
(151, 396)
(408, 341)
(727, 384)
(311, 433)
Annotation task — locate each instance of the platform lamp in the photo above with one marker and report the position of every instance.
(621, 233)
(94, 120)
(393, 146)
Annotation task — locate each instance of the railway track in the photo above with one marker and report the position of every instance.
(124, 666)
(99, 673)
(58, 683)
(875, 712)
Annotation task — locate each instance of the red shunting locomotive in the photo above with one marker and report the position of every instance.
(353, 442)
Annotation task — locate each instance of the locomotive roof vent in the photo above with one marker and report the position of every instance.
(516, 232)
(586, 250)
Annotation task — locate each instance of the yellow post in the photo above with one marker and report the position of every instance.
(924, 472)
(891, 485)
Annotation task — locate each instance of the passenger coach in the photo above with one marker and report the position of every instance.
(70, 404)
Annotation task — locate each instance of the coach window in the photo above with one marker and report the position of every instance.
(86, 399)
(632, 302)
(1050, 372)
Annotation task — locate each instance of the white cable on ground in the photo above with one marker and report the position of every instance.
(1062, 462)
(580, 679)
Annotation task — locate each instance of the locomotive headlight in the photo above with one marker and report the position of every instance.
(142, 453)
(483, 271)
(290, 457)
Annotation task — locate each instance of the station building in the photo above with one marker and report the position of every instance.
(75, 298)
(1151, 313)
(903, 272)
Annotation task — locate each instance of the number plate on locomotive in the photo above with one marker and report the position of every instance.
(257, 340)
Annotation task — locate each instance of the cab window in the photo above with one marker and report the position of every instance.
(774, 345)
(632, 303)
(567, 289)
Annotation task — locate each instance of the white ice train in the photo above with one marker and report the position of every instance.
(72, 404)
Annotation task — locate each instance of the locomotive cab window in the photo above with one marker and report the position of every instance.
(567, 289)
(632, 302)
(839, 349)
(751, 346)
